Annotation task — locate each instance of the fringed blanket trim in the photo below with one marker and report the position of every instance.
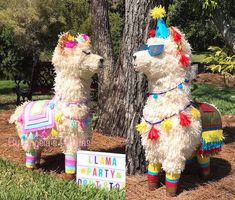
(211, 142)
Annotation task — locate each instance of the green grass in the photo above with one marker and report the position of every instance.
(17, 183)
(199, 56)
(8, 97)
(222, 97)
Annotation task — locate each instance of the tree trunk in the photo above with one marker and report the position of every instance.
(222, 22)
(102, 45)
(125, 98)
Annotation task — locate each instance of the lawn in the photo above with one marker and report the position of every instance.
(17, 183)
(8, 97)
(222, 97)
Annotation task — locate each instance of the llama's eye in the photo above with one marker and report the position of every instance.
(87, 52)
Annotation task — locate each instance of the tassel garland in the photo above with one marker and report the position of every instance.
(184, 120)
(153, 134)
(152, 33)
(166, 125)
(184, 60)
(141, 127)
(176, 35)
(195, 113)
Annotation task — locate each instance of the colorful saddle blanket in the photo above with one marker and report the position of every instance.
(38, 116)
(212, 133)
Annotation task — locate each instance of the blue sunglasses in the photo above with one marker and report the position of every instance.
(154, 50)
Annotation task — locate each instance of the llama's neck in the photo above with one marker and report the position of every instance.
(169, 103)
(71, 89)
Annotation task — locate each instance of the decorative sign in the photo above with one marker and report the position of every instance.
(106, 170)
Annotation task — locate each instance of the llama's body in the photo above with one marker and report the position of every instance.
(173, 128)
(66, 117)
(178, 144)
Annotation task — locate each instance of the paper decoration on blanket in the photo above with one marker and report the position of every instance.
(38, 116)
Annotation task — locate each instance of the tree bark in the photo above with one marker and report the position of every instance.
(102, 45)
(222, 22)
(125, 98)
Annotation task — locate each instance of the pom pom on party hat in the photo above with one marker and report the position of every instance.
(161, 29)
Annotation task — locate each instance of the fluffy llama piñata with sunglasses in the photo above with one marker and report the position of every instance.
(67, 116)
(173, 128)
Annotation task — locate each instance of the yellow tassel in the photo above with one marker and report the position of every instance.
(141, 127)
(158, 12)
(54, 133)
(195, 113)
(166, 125)
(58, 117)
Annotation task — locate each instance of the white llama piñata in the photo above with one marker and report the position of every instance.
(65, 117)
(171, 126)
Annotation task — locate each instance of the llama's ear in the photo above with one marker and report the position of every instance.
(62, 38)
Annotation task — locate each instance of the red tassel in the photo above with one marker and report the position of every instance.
(176, 35)
(152, 33)
(184, 60)
(153, 134)
(184, 120)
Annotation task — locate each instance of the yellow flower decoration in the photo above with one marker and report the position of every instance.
(141, 127)
(54, 133)
(196, 113)
(166, 125)
(58, 117)
(158, 12)
(70, 38)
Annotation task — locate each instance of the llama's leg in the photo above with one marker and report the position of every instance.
(70, 165)
(204, 163)
(188, 164)
(31, 158)
(153, 175)
(172, 181)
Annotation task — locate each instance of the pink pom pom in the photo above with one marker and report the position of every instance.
(69, 44)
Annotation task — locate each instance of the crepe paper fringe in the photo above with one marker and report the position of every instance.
(70, 163)
(141, 128)
(172, 180)
(184, 119)
(195, 113)
(153, 134)
(167, 125)
(213, 136)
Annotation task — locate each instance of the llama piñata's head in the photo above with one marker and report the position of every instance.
(74, 58)
(166, 53)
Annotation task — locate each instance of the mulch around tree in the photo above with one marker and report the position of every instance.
(222, 185)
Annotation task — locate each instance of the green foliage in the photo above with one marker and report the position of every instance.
(116, 23)
(36, 25)
(198, 28)
(16, 183)
(220, 61)
(10, 55)
(222, 97)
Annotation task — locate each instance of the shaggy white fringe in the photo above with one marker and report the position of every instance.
(74, 70)
(164, 72)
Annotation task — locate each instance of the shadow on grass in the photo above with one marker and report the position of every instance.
(53, 163)
(56, 162)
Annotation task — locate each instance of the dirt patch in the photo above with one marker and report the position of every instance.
(222, 186)
(215, 79)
